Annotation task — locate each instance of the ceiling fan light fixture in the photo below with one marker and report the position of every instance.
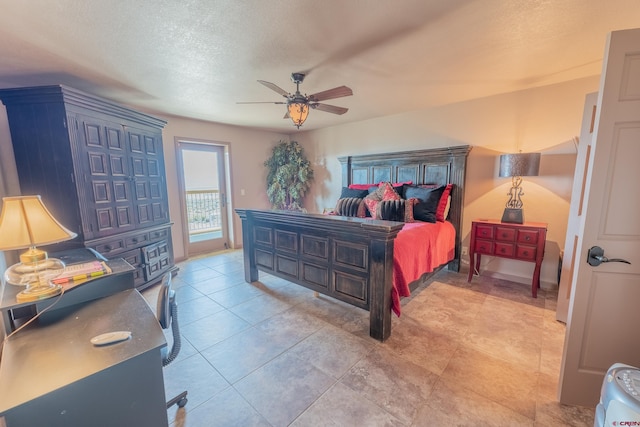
(298, 112)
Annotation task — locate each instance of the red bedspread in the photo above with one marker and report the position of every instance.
(419, 248)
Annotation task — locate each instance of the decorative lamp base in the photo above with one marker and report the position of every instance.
(38, 292)
(513, 216)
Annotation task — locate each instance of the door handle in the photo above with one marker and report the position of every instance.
(595, 257)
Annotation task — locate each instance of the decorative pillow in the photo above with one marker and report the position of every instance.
(384, 192)
(350, 206)
(362, 186)
(444, 203)
(396, 210)
(427, 206)
(353, 192)
(398, 186)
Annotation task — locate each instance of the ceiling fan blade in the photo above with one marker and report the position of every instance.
(329, 108)
(275, 88)
(262, 102)
(336, 92)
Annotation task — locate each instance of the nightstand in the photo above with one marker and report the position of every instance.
(522, 242)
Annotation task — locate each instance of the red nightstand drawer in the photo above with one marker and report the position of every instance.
(484, 231)
(484, 247)
(528, 236)
(505, 234)
(526, 252)
(505, 249)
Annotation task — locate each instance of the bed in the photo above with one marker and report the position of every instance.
(351, 258)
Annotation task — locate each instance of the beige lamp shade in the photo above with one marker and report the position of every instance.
(25, 222)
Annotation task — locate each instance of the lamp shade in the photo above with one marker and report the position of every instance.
(298, 111)
(25, 222)
(520, 164)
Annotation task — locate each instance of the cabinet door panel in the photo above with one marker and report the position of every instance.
(102, 159)
(148, 174)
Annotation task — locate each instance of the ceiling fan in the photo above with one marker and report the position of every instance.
(298, 105)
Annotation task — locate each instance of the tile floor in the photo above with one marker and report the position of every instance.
(273, 354)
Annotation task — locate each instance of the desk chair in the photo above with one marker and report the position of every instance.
(167, 313)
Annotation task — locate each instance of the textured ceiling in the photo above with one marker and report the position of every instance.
(197, 58)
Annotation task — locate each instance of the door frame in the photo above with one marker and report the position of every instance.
(226, 184)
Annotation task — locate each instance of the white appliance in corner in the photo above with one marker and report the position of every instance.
(620, 398)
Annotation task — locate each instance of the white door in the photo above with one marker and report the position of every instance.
(574, 224)
(602, 327)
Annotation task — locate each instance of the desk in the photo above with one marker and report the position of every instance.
(51, 375)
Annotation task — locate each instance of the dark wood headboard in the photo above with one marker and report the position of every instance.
(433, 166)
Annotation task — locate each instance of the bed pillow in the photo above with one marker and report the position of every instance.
(384, 192)
(398, 186)
(362, 186)
(353, 192)
(443, 205)
(396, 210)
(350, 206)
(428, 201)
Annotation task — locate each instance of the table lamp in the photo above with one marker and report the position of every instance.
(25, 223)
(516, 166)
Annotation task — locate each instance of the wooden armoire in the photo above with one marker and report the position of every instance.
(99, 168)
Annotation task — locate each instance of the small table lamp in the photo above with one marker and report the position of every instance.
(25, 223)
(516, 166)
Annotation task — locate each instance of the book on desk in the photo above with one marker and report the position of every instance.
(78, 273)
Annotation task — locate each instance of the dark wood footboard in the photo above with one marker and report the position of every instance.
(350, 259)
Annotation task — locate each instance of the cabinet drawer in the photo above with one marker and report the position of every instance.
(505, 234)
(137, 240)
(111, 247)
(528, 236)
(485, 231)
(158, 234)
(484, 247)
(505, 249)
(526, 252)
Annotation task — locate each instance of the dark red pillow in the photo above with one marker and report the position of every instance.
(362, 186)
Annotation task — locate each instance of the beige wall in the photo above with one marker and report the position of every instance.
(544, 119)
